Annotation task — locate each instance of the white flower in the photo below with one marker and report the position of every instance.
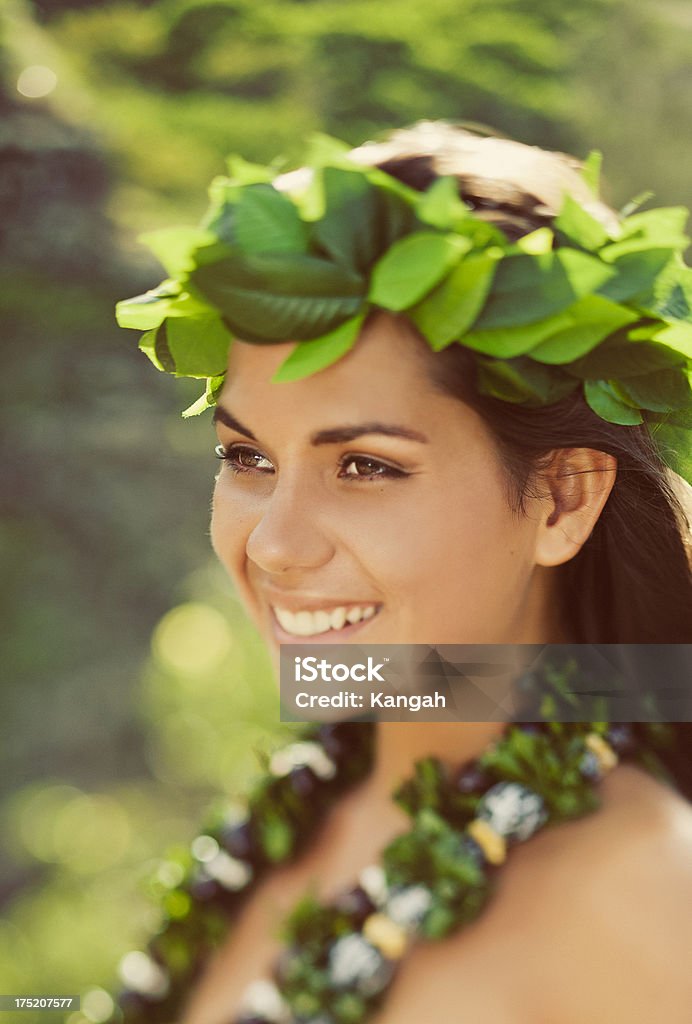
(374, 882)
(352, 960)
(295, 755)
(264, 999)
(407, 907)
(514, 811)
(228, 871)
(140, 973)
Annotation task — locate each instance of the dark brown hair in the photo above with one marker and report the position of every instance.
(631, 581)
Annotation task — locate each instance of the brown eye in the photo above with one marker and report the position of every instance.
(361, 467)
(242, 459)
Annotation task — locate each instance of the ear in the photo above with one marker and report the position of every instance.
(577, 483)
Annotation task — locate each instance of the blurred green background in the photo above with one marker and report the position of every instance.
(133, 690)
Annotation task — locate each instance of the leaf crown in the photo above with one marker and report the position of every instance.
(578, 305)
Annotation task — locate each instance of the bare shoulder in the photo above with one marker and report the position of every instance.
(618, 906)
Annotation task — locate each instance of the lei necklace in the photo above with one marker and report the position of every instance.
(580, 305)
(340, 957)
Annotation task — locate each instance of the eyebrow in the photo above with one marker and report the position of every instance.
(332, 435)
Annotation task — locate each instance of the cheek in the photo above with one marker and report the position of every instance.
(462, 559)
(231, 523)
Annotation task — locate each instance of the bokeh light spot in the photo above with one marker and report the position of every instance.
(97, 1005)
(38, 812)
(36, 81)
(91, 833)
(192, 639)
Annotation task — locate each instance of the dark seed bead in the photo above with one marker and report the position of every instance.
(304, 782)
(473, 780)
(356, 904)
(473, 850)
(133, 1004)
(334, 738)
(140, 1009)
(531, 728)
(238, 840)
(204, 889)
(621, 738)
(589, 767)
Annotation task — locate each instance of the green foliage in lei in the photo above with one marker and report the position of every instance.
(574, 306)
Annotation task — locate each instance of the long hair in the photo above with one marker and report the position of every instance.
(631, 582)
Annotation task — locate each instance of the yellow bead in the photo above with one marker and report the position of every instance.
(603, 752)
(387, 936)
(491, 842)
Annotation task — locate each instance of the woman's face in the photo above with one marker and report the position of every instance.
(363, 504)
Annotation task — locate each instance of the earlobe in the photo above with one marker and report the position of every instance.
(577, 483)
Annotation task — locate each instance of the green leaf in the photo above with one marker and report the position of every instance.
(198, 345)
(673, 291)
(348, 232)
(537, 242)
(310, 356)
(175, 248)
(267, 298)
(146, 311)
(324, 150)
(412, 267)
(219, 219)
(662, 391)
(664, 227)
(276, 837)
(155, 345)
(677, 337)
(594, 318)
(622, 359)
(242, 172)
(580, 226)
(508, 342)
(266, 221)
(678, 418)
(607, 404)
(440, 206)
(447, 313)
(635, 275)
(675, 447)
(633, 204)
(522, 381)
(530, 288)
(591, 170)
(208, 399)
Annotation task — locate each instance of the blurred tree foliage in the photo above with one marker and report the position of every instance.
(104, 489)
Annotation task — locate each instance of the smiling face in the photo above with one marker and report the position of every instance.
(363, 504)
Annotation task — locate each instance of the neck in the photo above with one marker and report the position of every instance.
(401, 744)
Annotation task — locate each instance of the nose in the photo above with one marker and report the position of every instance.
(288, 534)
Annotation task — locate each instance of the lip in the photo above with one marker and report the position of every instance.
(331, 636)
(295, 602)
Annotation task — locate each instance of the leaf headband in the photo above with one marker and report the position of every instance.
(577, 305)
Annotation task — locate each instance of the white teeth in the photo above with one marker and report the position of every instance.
(337, 618)
(322, 621)
(306, 623)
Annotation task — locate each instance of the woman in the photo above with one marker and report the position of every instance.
(479, 493)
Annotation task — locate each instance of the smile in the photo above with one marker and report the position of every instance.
(314, 623)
